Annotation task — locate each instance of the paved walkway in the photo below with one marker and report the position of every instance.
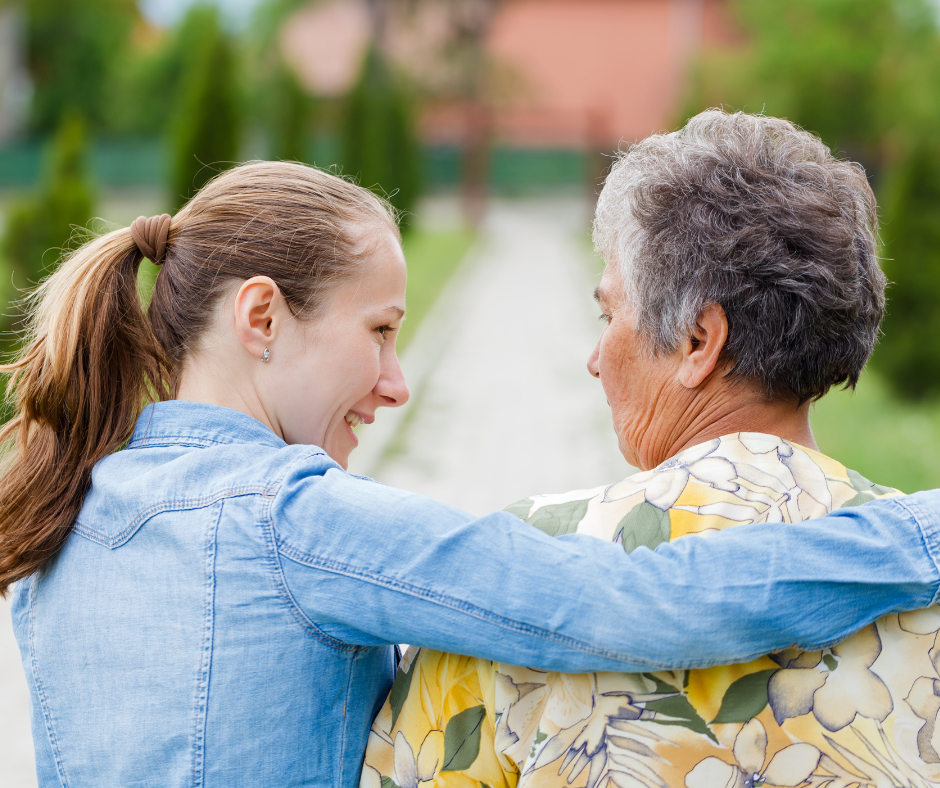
(502, 405)
(17, 769)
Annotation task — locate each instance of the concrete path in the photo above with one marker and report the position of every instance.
(17, 767)
(502, 404)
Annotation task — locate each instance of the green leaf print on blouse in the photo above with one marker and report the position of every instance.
(745, 698)
(645, 526)
(520, 508)
(400, 690)
(866, 490)
(676, 710)
(560, 518)
(462, 739)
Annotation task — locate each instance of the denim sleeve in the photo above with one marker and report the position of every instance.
(368, 565)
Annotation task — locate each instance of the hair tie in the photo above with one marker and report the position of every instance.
(150, 236)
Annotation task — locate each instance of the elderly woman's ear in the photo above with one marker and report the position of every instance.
(701, 352)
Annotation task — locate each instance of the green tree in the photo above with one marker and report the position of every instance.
(290, 116)
(40, 227)
(141, 98)
(909, 353)
(278, 103)
(73, 52)
(380, 146)
(909, 194)
(206, 133)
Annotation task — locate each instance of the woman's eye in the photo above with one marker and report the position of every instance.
(385, 330)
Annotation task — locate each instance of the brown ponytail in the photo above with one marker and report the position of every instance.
(93, 358)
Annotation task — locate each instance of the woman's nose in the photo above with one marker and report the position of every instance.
(392, 388)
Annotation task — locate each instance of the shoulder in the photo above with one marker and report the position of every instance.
(318, 507)
(139, 482)
(636, 510)
(732, 480)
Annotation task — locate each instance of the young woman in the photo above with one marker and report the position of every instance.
(204, 597)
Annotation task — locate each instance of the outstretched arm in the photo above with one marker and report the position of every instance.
(368, 565)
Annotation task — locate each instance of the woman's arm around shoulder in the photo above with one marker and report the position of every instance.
(371, 564)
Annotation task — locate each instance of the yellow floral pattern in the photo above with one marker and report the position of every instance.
(861, 714)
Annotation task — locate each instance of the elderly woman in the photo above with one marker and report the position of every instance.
(741, 284)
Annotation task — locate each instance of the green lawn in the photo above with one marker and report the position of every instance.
(888, 441)
(432, 258)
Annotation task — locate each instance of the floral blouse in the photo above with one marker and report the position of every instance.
(862, 713)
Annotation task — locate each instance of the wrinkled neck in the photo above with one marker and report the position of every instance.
(720, 409)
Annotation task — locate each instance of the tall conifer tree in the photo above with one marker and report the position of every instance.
(206, 135)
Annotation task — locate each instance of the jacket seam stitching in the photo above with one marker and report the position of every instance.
(158, 441)
(202, 699)
(459, 605)
(43, 702)
(168, 506)
(278, 480)
(344, 736)
(187, 443)
(287, 597)
(930, 541)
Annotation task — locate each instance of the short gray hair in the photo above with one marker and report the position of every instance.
(758, 216)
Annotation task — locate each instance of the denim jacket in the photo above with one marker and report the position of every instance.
(224, 611)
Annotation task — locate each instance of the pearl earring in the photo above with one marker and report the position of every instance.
(266, 356)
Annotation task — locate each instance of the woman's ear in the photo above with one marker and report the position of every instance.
(259, 308)
(702, 350)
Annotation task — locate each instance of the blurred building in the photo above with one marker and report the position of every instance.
(559, 73)
(597, 71)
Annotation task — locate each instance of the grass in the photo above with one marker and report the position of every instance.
(432, 258)
(887, 440)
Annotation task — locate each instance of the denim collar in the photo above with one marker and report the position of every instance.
(198, 424)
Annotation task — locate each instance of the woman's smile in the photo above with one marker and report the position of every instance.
(328, 376)
(351, 421)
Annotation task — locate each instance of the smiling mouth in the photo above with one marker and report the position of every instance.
(353, 420)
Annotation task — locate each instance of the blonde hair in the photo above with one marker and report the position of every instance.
(93, 359)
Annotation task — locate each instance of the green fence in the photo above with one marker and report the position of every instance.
(118, 163)
(143, 163)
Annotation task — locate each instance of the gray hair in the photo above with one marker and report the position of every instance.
(758, 216)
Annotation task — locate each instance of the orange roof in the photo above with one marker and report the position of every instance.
(598, 70)
(571, 72)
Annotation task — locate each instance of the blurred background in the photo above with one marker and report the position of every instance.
(490, 124)
(112, 108)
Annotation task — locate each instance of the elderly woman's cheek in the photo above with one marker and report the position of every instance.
(621, 383)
